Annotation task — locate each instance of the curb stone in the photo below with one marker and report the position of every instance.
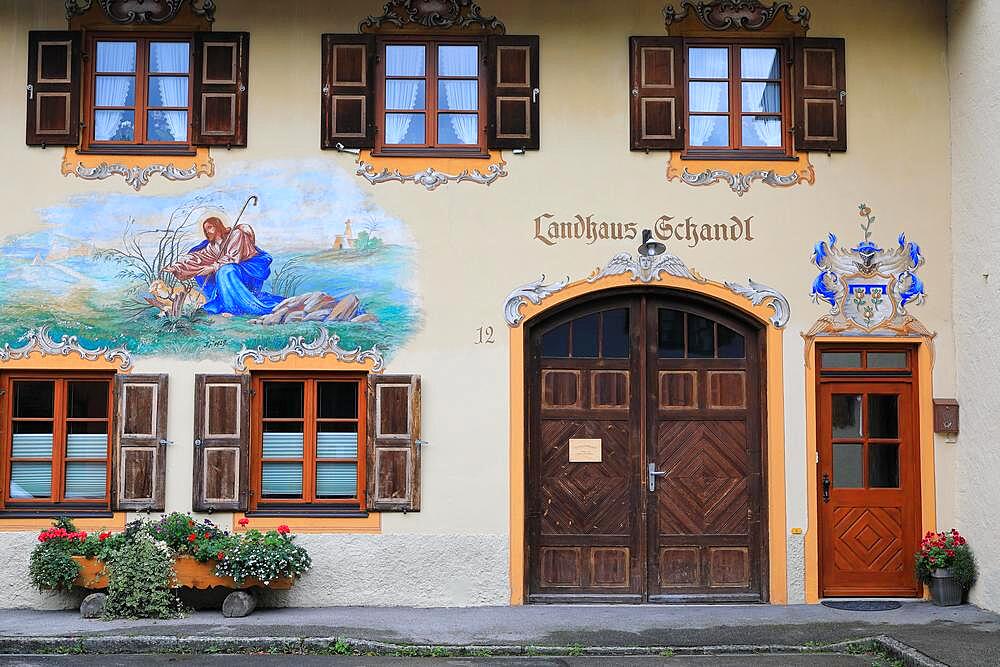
(140, 644)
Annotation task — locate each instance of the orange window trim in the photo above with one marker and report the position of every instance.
(309, 419)
(140, 105)
(59, 430)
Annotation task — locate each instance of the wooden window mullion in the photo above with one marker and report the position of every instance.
(309, 442)
(431, 97)
(735, 99)
(59, 442)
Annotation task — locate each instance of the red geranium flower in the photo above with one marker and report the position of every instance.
(192, 537)
(283, 529)
(220, 556)
(244, 521)
(104, 536)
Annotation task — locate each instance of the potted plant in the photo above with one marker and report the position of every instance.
(140, 567)
(945, 563)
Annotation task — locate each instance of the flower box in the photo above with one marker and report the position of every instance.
(188, 572)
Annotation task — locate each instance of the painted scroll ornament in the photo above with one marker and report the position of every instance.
(40, 341)
(868, 288)
(645, 270)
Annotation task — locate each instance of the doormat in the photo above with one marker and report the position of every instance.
(862, 605)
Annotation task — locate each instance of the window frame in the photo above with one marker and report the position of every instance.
(142, 74)
(59, 431)
(431, 109)
(735, 150)
(308, 503)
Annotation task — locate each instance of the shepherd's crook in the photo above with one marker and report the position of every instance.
(251, 197)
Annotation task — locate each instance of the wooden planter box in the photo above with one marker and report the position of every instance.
(188, 572)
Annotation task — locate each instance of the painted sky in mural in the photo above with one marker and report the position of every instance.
(279, 249)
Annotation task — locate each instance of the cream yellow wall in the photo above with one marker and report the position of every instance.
(475, 243)
(972, 30)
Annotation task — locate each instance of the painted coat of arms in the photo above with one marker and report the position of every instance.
(868, 287)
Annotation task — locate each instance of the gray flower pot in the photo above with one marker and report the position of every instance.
(945, 589)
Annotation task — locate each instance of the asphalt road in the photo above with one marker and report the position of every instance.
(363, 661)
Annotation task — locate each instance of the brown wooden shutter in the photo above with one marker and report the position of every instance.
(221, 79)
(221, 444)
(348, 103)
(656, 96)
(140, 442)
(820, 90)
(394, 443)
(53, 89)
(513, 92)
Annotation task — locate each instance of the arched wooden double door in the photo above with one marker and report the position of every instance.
(644, 457)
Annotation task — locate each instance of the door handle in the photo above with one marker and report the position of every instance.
(826, 488)
(653, 473)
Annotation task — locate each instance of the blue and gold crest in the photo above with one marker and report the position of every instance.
(868, 287)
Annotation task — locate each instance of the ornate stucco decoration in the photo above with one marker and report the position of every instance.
(141, 11)
(137, 171)
(433, 14)
(430, 177)
(721, 15)
(38, 340)
(532, 292)
(324, 344)
(868, 288)
(645, 270)
(740, 175)
(431, 173)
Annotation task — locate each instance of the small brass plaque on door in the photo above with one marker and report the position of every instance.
(585, 450)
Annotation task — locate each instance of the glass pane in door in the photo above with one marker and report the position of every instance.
(883, 466)
(845, 413)
(883, 416)
(847, 471)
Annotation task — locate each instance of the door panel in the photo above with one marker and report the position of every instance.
(668, 382)
(584, 450)
(705, 532)
(869, 488)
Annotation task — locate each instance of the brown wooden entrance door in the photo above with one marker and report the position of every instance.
(620, 383)
(869, 489)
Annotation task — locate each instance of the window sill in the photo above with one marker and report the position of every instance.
(182, 151)
(431, 171)
(135, 168)
(358, 522)
(742, 156)
(430, 153)
(13, 520)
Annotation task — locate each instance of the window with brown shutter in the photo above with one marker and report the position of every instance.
(394, 443)
(820, 95)
(53, 88)
(430, 94)
(221, 442)
(143, 92)
(57, 441)
(140, 442)
(751, 98)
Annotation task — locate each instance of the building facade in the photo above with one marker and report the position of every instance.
(502, 303)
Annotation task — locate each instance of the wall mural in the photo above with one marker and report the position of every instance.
(868, 287)
(283, 256)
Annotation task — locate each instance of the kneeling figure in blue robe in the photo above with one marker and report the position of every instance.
(230, 270)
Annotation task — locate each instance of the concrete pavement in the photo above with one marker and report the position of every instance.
(951, 635)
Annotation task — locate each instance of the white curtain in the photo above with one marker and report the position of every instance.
(763, 63)
(462, 95)
(113, 91)
(706, 96)
(171, 57)
(401, 93)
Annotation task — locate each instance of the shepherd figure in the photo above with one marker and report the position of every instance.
(230, 270)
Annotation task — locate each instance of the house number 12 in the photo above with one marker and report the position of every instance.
(484, 335)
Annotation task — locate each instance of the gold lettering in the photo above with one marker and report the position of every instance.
(538, 228)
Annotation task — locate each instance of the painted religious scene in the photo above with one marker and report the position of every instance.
(274, 252)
